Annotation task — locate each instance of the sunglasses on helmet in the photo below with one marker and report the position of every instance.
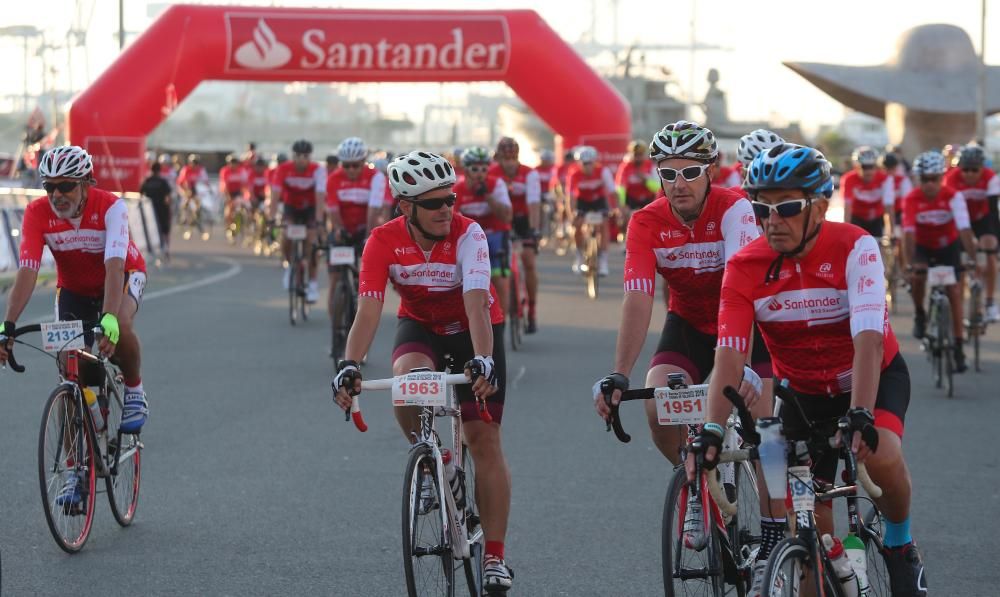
(434, 204)
(785, 209)
(690, 173)
(64, 187)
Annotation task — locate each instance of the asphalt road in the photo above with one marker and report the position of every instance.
(253, 484)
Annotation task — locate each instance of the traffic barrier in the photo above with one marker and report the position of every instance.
(13, 201)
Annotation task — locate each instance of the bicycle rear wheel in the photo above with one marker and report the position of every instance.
(64, 448)
(427, 553)
(473, 566)
(686, 571)
(123, 458)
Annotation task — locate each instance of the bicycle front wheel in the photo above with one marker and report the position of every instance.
(744, 529)
(790, 571)
(343, 317)
(64, 450)
(474, 564)
(876, 569)
(123, 460)
(427, 552)
(687, 571)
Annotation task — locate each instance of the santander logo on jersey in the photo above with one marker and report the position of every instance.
(812, 305)
(407, 44)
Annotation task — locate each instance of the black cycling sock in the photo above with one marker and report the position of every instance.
(772, 530)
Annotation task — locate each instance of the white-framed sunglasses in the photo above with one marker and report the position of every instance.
(785, 209)
(690, 173)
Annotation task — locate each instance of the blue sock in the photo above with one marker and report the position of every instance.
(897, 534)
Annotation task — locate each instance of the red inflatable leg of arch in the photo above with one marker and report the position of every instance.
(191, 44)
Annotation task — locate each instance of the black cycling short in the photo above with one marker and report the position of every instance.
(521, 229)
(891, 402)
(583, 207)
(413, 336)
(303, 215)
(950, 255)
(875, 227)
(635, 203)
(985, 225)
(683, 346)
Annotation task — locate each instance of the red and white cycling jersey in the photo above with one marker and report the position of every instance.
(902, 186)
(232, 180)
(430, 285)
(547, 179)
(975, 195)
(810, 315)
(588, 188)
(935, 221)
(80, 247)
(354, 197)
(727, 176)
(524, 188)
(476, 207)
(868, 200)
(633, 178)
(190, 175)
(258, 182)
(298, 189)
(690, 259)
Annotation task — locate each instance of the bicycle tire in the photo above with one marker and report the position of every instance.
(122, 486)
(514, 317)
(744, 529)
(947, 343)
(473, 565)
(974, 322)
(670, 540)
(421, 462)
(342, 317)
(876, 568)
(69, 526)
(790, 558)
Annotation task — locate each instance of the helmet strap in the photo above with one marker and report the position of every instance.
(415, 222)
(775, 269)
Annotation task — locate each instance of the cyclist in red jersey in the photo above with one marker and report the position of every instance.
(869, 193)
(935, 220)
(438, 263)
(635, 180)
(981, 188)
(258, 182)
(354, 201)
(188, 179)
(483, 197)
(301, 186)
(816, 289)
(233, 185)
(101, 273)
(901, 185)
(725, 176)
(525, 191)
(590, 187)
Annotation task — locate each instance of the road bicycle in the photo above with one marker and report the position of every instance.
(342, 257)
(939, 340)
(894, 279)
(72, 442)
(593, 230)
(298, 306)
(800, 561)
(441, 528)
(720, 563)
(241, 228)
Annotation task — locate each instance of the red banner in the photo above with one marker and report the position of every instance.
(119, 162)
(363, 44)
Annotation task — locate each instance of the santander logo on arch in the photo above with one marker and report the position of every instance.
(362, 44)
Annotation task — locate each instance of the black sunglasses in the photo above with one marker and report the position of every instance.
(926, 179)
(351, 165)
(867, 167)
(434, 204)
(785, 209)
(64, 187)
(971, 170)
(690, 174)
(482, 168)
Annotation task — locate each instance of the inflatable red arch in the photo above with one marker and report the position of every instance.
(191, 44)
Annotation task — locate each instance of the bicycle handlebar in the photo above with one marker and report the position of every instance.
(614, 420)
(386, 384)
(37, 327)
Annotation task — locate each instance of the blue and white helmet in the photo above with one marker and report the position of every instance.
(929, 163)
(790, 166)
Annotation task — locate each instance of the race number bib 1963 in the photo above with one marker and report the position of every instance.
(62, 335)
(424, 388)
(683, 406)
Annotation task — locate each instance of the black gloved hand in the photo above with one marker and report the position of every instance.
(702, 442)
(861, 420)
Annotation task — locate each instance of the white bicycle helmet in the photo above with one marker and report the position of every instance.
(352, 149)
(67, 161)
(417, 172)
(547, 155)
(865, 156)
(586, 154)
(684, 139)
(929, 163)
(755, 142)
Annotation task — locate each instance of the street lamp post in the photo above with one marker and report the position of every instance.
(981, 79)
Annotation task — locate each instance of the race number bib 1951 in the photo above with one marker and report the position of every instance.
(424, 388)
(62, 335)
(683, 406)
(801, 487)
(341, 255)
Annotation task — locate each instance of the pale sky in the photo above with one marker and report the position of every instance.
(760, 35)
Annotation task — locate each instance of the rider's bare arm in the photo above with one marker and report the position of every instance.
(533, 197)
(499, 202)
(114, 283)
(637, 310)
(362, 333)
(477, 308)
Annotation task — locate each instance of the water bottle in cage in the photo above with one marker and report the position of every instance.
(456, 479)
